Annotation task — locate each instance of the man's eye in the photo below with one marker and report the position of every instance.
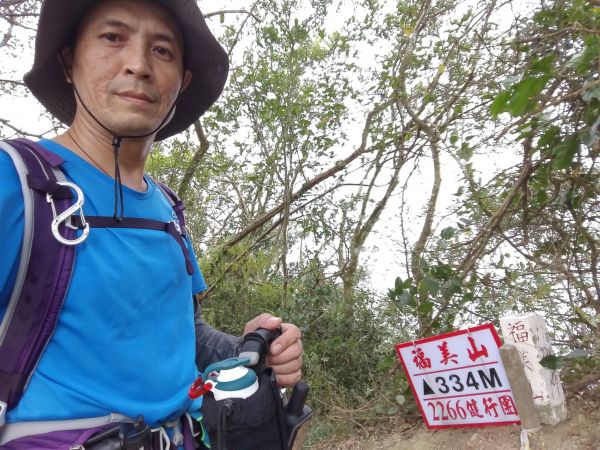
(111, 37)
(163, 52)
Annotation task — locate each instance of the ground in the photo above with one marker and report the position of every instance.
(580, 431)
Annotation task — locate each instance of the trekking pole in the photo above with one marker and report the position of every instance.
(256, 347)
(256, 344)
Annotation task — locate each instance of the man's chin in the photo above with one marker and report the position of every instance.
(132, 127)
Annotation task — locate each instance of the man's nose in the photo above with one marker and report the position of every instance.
(136, 61)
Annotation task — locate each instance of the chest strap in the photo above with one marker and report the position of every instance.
(172, 228)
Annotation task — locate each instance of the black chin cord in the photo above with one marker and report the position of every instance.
(116, 143)
(119, 210)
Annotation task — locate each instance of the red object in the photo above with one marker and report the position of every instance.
(474, 352)
(199, 388)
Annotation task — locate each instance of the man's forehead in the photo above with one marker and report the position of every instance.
(128, 13)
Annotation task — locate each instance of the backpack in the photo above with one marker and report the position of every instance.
(54, 224)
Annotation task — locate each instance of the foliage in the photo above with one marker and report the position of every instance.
(555, 104)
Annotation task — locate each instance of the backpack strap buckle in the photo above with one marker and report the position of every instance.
(3, 408)
(65, 216)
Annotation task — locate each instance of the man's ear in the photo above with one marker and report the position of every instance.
(65, 57)
(187, 79)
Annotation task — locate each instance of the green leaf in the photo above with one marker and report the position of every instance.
(564, 152)
(455, 286)
(453, 139)
(500, 103)
(544, 64)
(549, 137)
(541, 197)
(404, 298)
(552, 362)
(442, 272)
(591, 135)
(585, 318)
(400, 399)
(425, 308)
(429, 285)
(590, 94)
(465, 152)
(380, 409)
(524, 92)
(582, 61)
(448, 233)
(398, 285)
(386, 363)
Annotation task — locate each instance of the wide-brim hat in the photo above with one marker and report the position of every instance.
(204, 57)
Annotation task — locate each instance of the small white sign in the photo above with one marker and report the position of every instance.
(459, 380)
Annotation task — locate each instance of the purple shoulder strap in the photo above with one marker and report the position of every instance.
(43, 273)
(176, 203)
(45, 265)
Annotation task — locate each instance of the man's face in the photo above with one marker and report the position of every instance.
(127, 65)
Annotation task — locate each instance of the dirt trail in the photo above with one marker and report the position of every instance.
(580, 431)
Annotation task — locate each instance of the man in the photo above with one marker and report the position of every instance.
(122, 74)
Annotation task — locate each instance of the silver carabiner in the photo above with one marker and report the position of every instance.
(66, 216)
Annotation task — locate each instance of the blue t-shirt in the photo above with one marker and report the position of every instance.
(125, 339)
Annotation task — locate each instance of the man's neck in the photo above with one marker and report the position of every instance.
(96, 148)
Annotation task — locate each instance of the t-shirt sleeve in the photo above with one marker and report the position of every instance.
(11, 227)
(198, 283)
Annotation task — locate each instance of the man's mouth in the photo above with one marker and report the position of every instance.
(139, 98)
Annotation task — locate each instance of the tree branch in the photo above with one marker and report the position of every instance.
(196, 159)
(20, 132)
(339, 165)
(7, 3)
(231, 11)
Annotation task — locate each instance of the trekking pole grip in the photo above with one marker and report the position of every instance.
(256, 344)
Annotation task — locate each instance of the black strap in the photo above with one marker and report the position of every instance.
(140, 223)
(49, 187)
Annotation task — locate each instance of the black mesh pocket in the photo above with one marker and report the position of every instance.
(253, 423)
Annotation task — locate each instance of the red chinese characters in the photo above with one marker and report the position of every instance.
(446, 355)
(508, 405)
(473, 408)
(420, 360)
(490, 407)
(475, 352)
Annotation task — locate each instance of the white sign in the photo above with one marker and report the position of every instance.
(458, 379)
